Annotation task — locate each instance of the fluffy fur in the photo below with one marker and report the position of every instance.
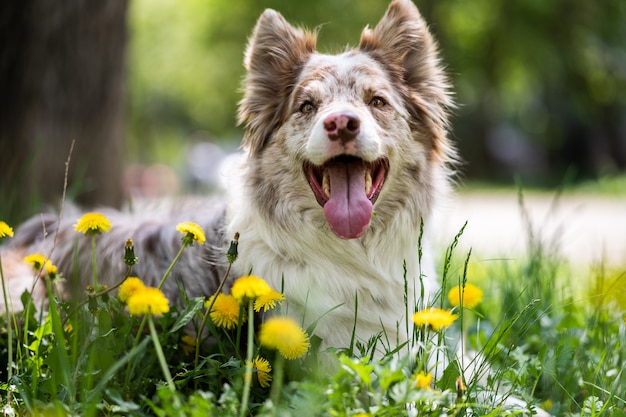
(369, 123)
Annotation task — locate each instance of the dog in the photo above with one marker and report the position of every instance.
(344, 160)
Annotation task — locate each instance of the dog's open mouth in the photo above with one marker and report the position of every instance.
(347, 187)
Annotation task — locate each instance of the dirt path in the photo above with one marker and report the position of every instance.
(587, 228)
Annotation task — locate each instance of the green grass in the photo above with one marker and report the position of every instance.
(609, 186)
(544, 333)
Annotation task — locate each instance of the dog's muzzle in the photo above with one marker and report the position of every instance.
(347, 188)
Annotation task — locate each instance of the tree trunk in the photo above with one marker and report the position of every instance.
(62, 72)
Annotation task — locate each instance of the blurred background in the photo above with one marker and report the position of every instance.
(147, 90)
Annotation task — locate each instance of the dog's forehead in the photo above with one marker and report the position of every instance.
(352, 69)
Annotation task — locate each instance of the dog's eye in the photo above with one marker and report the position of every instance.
(378, 103)
(307, 107)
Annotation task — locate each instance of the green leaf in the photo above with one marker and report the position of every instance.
(449, 377)
(42, 331)
(188, 313)
(110, 373)
(122, 406)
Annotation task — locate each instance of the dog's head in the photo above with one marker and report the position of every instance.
(353, 124)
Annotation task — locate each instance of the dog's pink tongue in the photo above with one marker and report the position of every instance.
(348, 211)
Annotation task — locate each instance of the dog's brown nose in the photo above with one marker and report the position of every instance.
(344, 126)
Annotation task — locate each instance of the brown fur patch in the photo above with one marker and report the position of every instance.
(402, 43)
(274, 56)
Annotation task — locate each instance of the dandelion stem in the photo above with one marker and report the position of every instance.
(81, 357)
(206, 314)
(238, 335)
(94, 269)
(277, 384)
(96, 295)
(169, 269)
(9, 333)
(199, 335)
(162, 362)
(248, 381)
(135, 344)
(198, 342)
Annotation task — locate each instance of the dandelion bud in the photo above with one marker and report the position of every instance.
(232, 252)
(129, 254)
(93, 304)
(105, 296)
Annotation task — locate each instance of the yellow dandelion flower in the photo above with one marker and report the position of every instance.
(263, 368)
(423, 380)
(40, 262)
(148, 300)
(225, 311)
(472, 295)
(92, 224)
(249, 287)
(130, 286)
(547, 405)
(284, 334)
(5, 230)
(191, 232)
(37, 260)
(435, 318)
(268, 301)
(50, 269)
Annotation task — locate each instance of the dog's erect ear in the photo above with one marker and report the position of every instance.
(275, 55)
(402, 43)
